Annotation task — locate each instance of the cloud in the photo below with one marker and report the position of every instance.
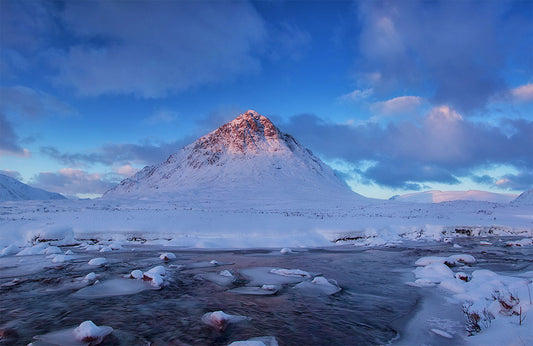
(439, 147)
(144, 153)
(356, 95)
(453, 49)
(523, 93)
(151, 49)
(31, 103)
(397, 105)
(9, 141)
(126, 171)
(521, 182)
(74, 182)
(163, 116)
(288, 40)
(10, 173)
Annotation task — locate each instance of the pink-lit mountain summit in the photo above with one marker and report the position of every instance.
(248, 159)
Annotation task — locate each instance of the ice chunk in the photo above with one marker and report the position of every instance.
(98, 261)
(263, 276)
(319, 286)
(9, 250)
(69, 252)
(265, 290)
(92, 247)
(293, 273)
(224, 278)
(442, 333)
(113, 287)
(167, 256)
(87, 333)
(51, 250)
(220, 320)
(106, 249)
(484, 243)
(259, 341)
(285, 250)
(37, 249)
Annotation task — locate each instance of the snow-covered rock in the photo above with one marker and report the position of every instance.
(167, 256)
(13, 190)
(220, 320)
(98, 261)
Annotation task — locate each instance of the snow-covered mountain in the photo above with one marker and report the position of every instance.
(525, 198)
(13, 190)
(436, 196)
(246, 160)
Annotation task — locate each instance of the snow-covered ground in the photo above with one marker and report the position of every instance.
(259, 224)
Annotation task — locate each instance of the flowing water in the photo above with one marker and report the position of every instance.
(374, 306)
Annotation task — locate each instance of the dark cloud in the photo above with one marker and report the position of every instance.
(483, 179)
(112, 154)
(451, 47)
(72, 182)
(9, 141)
(27, 102)
(521, 182)
(440, 147)
(179, 45)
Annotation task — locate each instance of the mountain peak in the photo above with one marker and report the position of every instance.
(249, 133)
(247, 159)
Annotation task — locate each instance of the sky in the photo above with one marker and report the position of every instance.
(396, 96)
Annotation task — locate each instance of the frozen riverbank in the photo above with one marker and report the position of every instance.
(242, 225)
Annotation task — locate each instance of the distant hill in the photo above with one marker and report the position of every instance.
(525, 198)
(436, 196)
(13, 190)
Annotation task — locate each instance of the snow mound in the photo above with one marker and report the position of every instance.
(98, 261)
(220, 320)
(13, 190)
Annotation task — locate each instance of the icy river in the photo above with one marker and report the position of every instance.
(374, 305)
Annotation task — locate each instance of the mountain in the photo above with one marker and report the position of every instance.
(246, 160)
(13, 190)
(436, 196)
(525, 198)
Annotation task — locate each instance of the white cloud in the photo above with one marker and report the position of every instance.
(523, 93)
(356, 95)
(397, 105)
(126, 170)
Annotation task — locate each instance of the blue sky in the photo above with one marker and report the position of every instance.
(397, 96)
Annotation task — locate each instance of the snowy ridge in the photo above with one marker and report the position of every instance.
(437, 196)
(525, 198)
(248, 159)
(13, 190)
